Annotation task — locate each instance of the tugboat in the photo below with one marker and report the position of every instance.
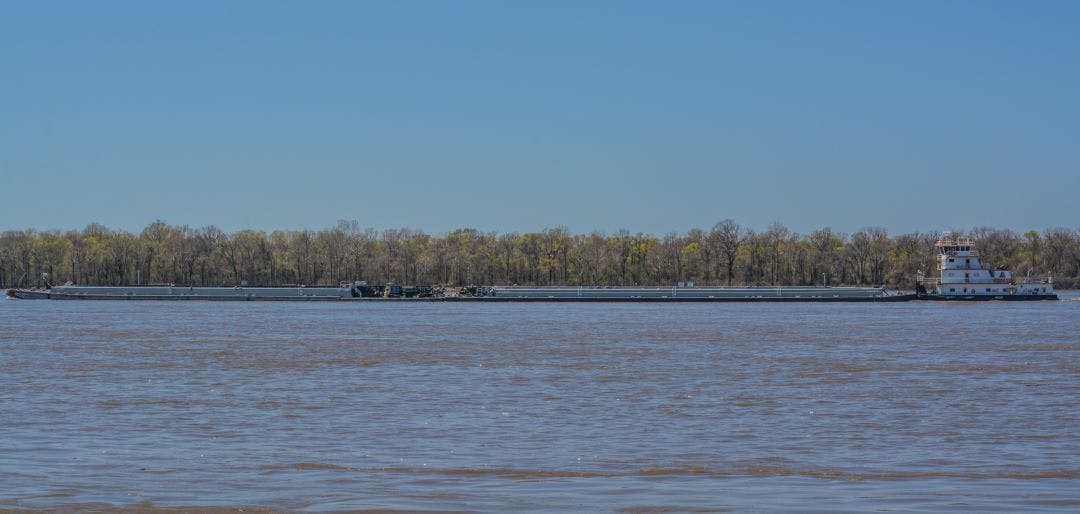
(962, 277)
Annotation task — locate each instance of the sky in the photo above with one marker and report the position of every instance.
(516, 116)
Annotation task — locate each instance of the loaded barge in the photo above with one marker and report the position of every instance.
(695, 294)
(361, 291)
(962, 277)
(170, 292)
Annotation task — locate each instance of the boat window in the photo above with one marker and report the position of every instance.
(952, 289)
(988, 290)
(952, 260)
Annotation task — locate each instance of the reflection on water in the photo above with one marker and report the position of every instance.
(141, 406)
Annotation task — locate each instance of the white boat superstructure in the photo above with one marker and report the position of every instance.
(963, 277)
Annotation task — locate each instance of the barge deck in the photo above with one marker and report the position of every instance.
(482, 294)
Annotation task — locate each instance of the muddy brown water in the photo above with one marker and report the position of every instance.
(914, 407)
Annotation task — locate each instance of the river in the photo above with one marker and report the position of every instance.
(911, 407)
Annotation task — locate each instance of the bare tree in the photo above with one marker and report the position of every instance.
(728, 237)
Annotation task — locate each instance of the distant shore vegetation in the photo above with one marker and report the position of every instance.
(726, 254)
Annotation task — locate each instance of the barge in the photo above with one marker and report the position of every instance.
(695, 294)
(362, 291)
(169, 292)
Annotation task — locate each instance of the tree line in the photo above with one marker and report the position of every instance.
(726, 254)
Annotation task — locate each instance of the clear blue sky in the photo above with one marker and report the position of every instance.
(505, 116)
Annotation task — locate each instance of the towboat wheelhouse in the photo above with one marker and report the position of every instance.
(962, 277)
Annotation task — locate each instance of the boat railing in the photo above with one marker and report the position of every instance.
(964, 253)
(955, 242)
(1047, 279)
(966, 267)
(1037, 279)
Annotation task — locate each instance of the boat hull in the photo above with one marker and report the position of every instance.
(678, 299)
(989, 297)
(27, 294)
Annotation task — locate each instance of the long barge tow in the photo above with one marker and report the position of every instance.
(769, 294)
(962, 277)
(364, 292)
